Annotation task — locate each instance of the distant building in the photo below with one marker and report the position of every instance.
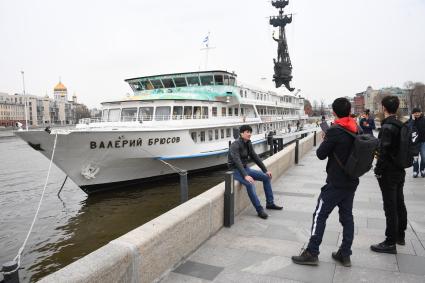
(359, 103)
(42, 111)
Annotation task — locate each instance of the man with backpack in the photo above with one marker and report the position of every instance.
(417, 121)
(393, 157)
(349, 156)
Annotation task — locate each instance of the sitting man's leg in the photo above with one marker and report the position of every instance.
(250, 188)
(260, 176)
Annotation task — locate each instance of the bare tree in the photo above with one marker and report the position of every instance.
(417, 96)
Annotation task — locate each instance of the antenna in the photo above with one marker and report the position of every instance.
(25, 99)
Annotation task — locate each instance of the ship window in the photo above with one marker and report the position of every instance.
(168, 83)
(136, 86)
(241, 93)
(114, 115)
(232, 81)
(128, 114)
(180, 82)
(146, 85)
(218, 79)
(194, 136)
(216, 134)
(236, 111)
(193, 81)
(162, 113)
(210, 135)
(202, 136)
(226, 80)
(145, 113)
(207, 80)
(205, 112)
(228, 133)
(230, 111)
(223, 111)
(222, 133)
(177, 112)
(188, 112)
(214, 111)
(157, 83)
(242, 111)
(197, 112)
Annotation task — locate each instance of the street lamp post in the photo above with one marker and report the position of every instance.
(25, 99)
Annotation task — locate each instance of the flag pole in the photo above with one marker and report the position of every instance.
(25, 99)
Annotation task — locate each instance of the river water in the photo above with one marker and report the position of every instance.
(73, 225)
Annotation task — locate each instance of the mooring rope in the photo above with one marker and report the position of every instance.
(17, 258)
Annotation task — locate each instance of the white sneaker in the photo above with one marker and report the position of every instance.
(415, 174)
(423, 173)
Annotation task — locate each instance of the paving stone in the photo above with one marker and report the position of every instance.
(230, 276)
(295, 194)
(199, 270)
(418, 247)
(322, 273)
(173, 277)
(355, 275)
(411, 264)
(375, 223)
(217, 256)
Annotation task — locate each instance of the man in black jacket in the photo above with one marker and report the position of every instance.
(239, 153)
(418, 121)
(391, 178)
(339, 189)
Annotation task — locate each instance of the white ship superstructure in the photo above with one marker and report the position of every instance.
(185, 119)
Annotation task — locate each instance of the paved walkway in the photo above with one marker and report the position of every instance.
(256, 250)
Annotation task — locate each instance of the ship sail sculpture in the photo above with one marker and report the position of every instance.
(282, 65)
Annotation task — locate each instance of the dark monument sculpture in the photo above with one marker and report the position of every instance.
(282, 65)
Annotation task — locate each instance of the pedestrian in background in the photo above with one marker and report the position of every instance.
(417, 120)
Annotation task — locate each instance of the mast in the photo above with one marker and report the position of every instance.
(282, 65)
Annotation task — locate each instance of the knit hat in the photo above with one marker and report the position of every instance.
(416, 110)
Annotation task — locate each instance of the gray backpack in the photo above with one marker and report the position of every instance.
(362, 153)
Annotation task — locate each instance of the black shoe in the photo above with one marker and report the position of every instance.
(344, 260)
(306, 258)
(384, 247)
(401, 242)
(273, 206)
(262, 214)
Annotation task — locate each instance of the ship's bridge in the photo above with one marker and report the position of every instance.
(181, 80)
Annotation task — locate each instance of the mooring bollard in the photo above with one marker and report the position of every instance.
(297, 147)
(229, 199)
(184, 191)
(314, 139)
(12, 277)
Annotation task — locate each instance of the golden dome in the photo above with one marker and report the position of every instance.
(60, 87)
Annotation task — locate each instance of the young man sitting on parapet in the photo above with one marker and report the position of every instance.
(240, 152)
(339, 189)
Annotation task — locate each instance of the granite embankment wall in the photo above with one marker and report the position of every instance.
(148, 252)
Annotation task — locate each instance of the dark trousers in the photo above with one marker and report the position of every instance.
(329, 198)
(391, 185)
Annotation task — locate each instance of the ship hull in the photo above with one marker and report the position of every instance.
(98, 161)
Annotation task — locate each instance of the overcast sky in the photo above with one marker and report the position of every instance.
(337, 47)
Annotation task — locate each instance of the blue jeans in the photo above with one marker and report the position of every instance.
(416, 166)
(250, 188)
(329, 198)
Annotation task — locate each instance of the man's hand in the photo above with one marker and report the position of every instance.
(249, 179)
(268, 173)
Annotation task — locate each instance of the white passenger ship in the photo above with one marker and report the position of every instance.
(185, 119)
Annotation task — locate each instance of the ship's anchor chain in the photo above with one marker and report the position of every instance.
(17, 259)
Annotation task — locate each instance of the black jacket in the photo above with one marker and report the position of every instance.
(367, 129)
(389, 143)
(239, 156)
(420, 125)
(339, 142)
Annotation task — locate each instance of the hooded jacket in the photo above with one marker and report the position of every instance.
(339, 142)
